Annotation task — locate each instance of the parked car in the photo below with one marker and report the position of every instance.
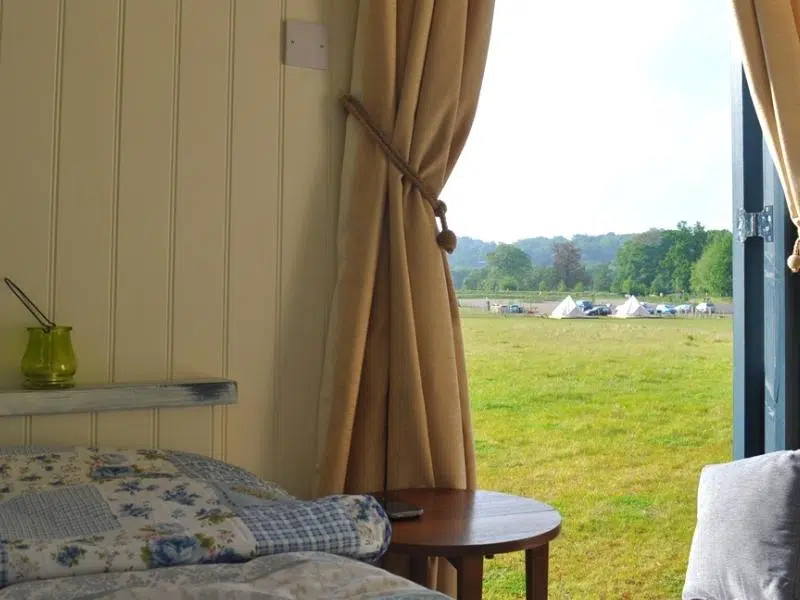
(598, 311)
(706, 307)
(665, 309)
(584, 305)
(649, 308)
(516, 308)
(684, 309)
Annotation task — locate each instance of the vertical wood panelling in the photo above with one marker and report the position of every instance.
(84, 231)
(175, 201)
(219, 414)
(254, 232)
(199, 285)
(142, 271)
(308, 253)
(29, 76)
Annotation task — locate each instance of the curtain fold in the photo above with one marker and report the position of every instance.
(394, 336)
(769, 31)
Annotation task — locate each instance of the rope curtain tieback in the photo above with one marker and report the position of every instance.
(445, 238)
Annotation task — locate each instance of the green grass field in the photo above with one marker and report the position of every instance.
(610, 421)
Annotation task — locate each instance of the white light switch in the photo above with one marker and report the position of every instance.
(305, 45)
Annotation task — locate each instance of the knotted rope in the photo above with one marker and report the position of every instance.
(445, 238)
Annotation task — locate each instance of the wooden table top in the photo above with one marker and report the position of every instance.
(460, 523)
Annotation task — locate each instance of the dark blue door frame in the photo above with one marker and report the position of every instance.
(748, 281)
(766, 369)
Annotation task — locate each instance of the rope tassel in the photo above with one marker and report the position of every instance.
(445, 238)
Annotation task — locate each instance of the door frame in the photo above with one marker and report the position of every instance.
(766, 327)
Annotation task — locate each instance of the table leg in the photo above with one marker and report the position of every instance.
(469, 576)
(536, 573)
(418, 570)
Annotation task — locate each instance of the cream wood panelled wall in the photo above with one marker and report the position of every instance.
(169, 189)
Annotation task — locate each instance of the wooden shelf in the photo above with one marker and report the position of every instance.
(118, 396)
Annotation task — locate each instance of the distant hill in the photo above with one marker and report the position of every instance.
(595, 249)
(470, 253)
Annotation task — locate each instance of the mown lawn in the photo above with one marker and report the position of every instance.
(610, 421)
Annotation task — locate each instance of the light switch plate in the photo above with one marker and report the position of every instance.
(305, 45)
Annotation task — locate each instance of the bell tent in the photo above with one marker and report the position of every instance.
(567, 309)
(632, 308)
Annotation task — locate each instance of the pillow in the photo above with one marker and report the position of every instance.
(746, 543)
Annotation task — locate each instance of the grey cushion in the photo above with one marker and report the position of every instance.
(746, 543)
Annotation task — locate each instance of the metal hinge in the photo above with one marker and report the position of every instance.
(754, 224)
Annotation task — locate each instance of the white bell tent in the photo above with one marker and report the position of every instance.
(567, 309)
(631, 309)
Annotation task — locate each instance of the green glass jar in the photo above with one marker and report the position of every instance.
(49, 360)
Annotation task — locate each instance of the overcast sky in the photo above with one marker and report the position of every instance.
(597, 117)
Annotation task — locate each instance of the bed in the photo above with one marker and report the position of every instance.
(86, 523)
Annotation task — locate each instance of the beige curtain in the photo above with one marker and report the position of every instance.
(395, 333)
(770, 36)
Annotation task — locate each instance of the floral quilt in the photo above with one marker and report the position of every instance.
(78, 511)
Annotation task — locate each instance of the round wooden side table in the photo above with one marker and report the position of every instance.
(464, 527)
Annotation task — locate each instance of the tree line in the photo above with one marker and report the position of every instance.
(595, 249)
(684, 260)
